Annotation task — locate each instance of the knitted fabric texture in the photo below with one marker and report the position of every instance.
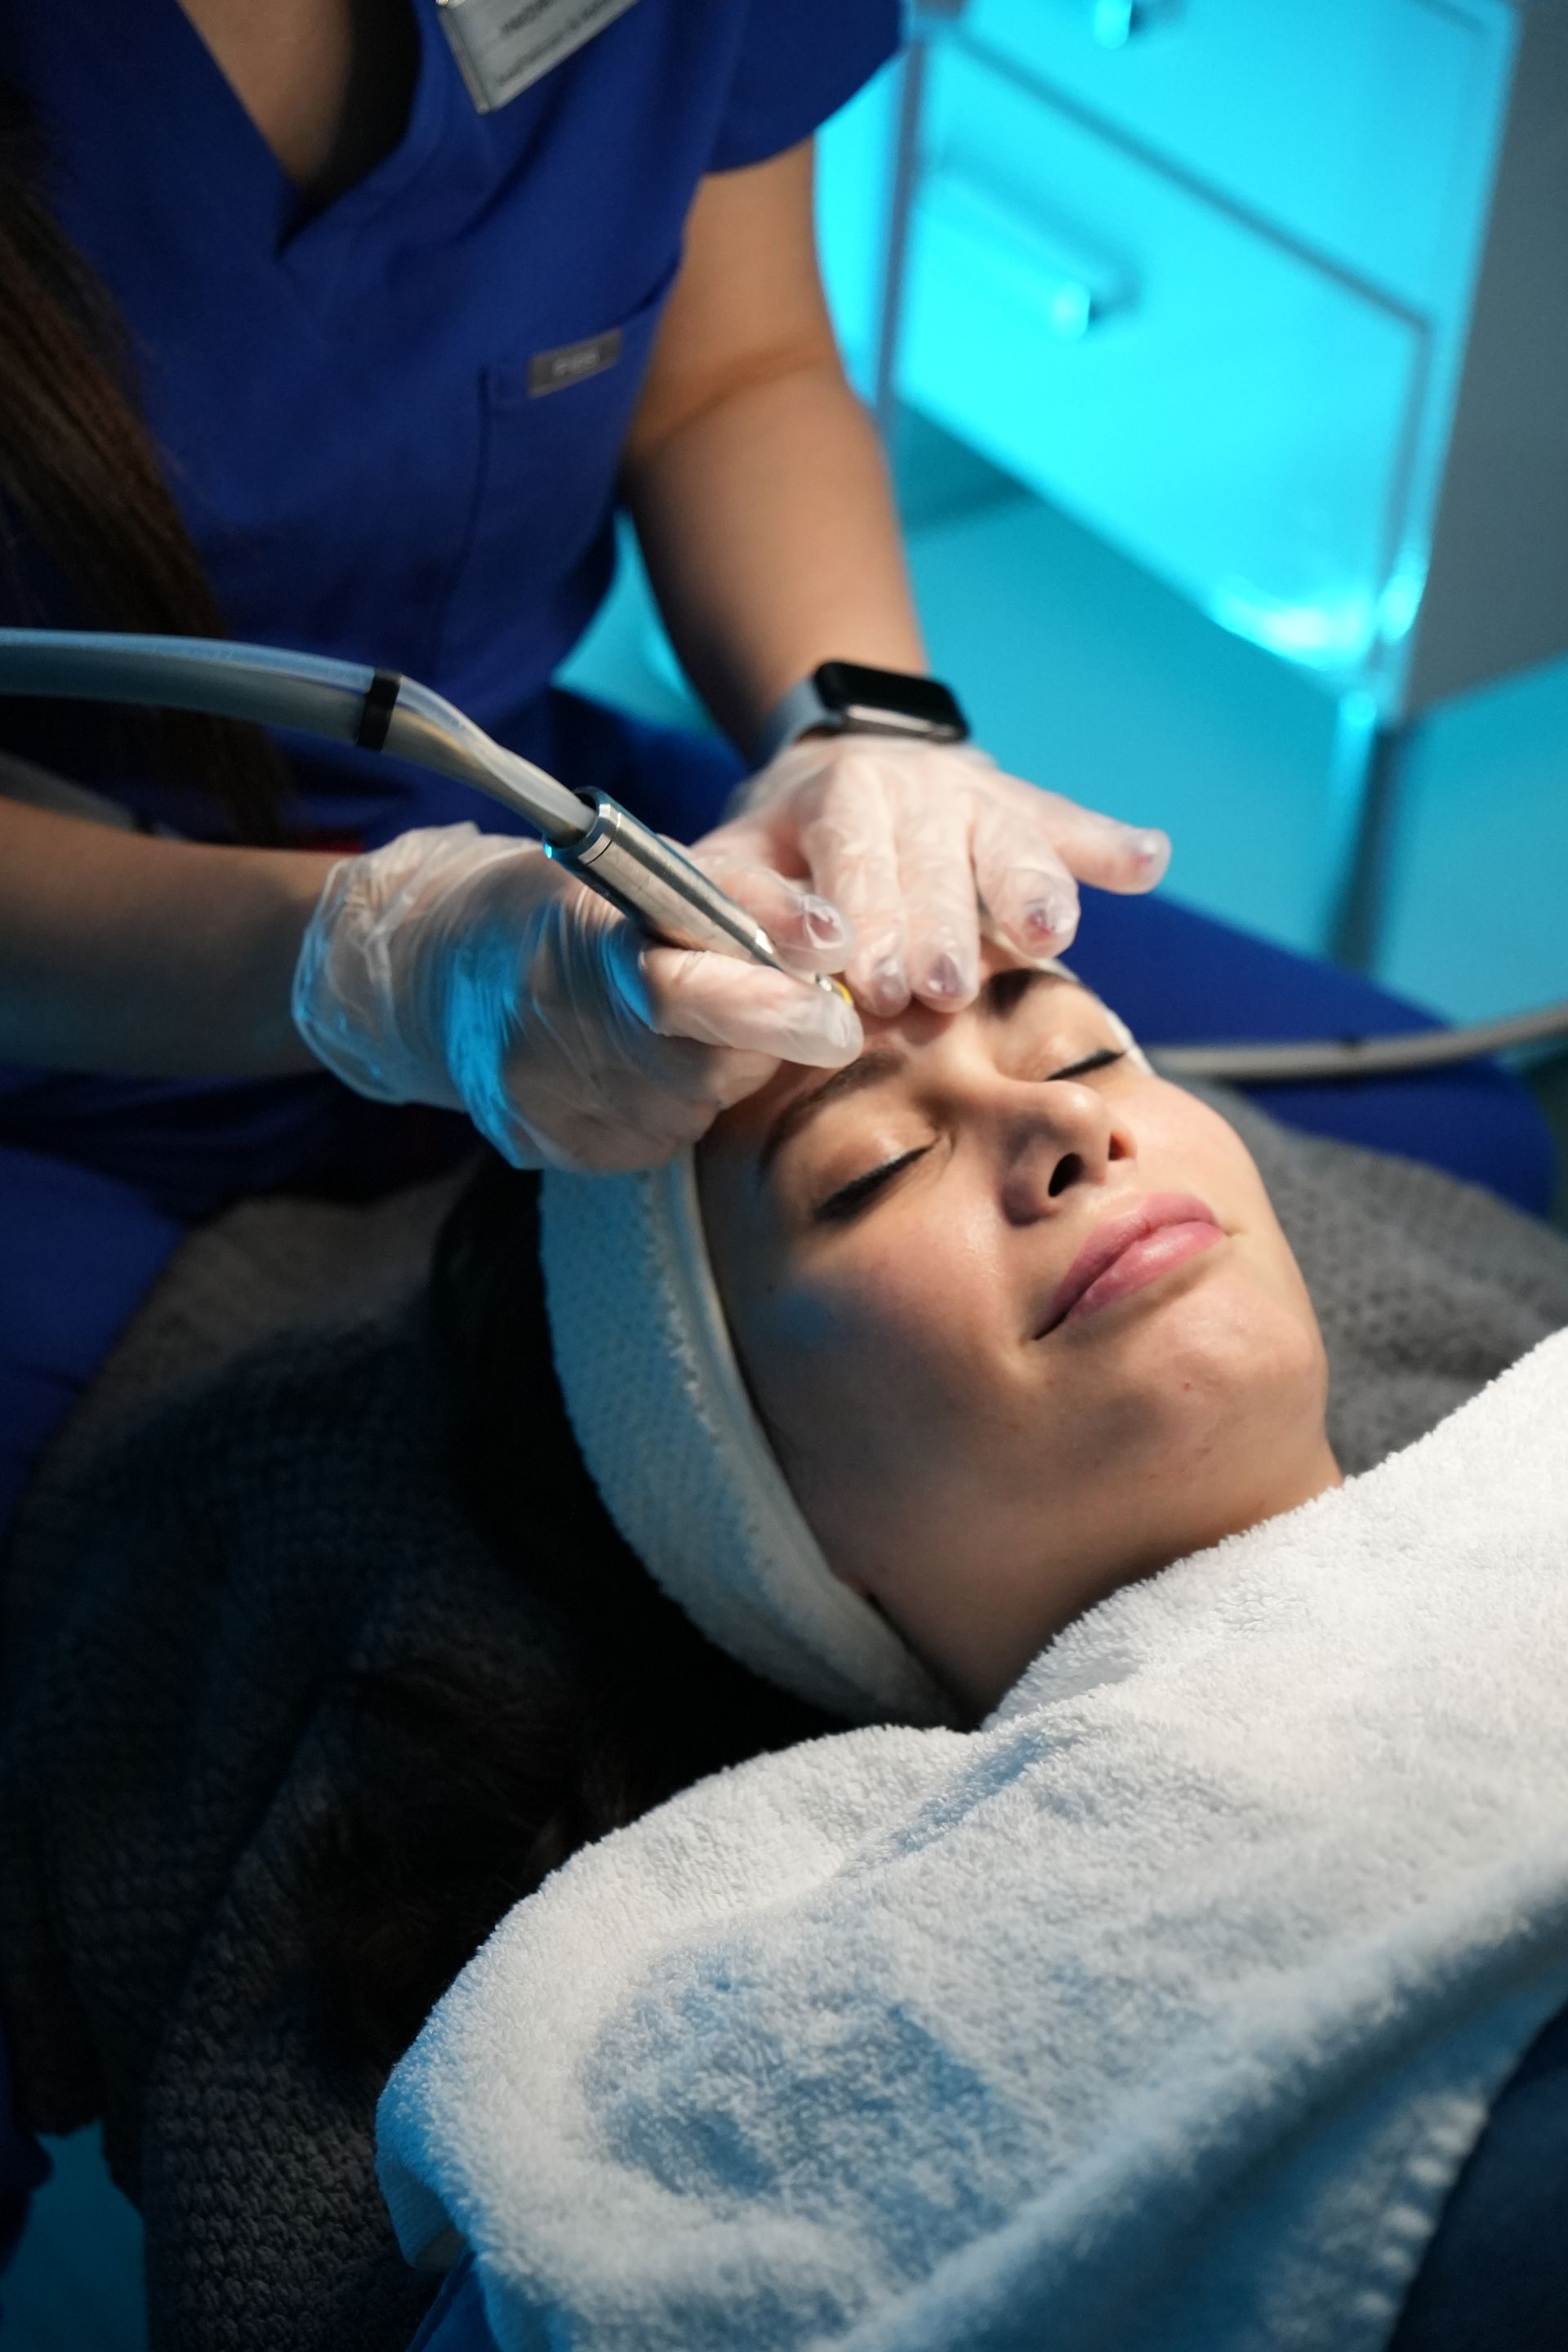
(192, 1574)
(663, 1421)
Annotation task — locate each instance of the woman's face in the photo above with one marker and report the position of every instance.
(1018, 1317)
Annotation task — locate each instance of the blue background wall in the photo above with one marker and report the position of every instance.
(1083, 670)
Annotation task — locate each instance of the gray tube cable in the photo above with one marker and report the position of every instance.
(305, 691)
(1361, 1058)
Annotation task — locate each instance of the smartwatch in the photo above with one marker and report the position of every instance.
(843, 698)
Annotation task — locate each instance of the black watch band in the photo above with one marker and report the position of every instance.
(843, 698)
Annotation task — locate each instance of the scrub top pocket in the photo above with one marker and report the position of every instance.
(544, 501)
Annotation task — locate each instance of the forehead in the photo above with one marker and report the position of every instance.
(903, 1040)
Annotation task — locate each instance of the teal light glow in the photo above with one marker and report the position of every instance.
(1114, 22)
(1329, 634)
(1401, 601)
(1072, 310)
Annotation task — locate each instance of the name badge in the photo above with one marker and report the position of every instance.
(570, 363)
(504, 46)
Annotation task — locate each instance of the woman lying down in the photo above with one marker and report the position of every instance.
(1158, 2000)
(1147, 1968)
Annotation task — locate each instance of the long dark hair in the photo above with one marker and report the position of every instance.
(465, 1794)
(80, 476)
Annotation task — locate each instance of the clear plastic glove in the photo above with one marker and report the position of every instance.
(457, 968)
(921, 845)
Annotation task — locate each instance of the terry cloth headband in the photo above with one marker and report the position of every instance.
(672, 1442)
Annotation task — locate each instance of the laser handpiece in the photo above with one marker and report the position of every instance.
(588, 832)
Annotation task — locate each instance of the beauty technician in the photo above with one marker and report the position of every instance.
(345, 325)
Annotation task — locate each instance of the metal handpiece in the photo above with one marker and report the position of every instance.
(601, 843)
(640, 872)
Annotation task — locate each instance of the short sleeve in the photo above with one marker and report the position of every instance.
(798, 62)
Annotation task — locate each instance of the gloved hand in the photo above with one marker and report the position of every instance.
(466, 970)
(920, 844)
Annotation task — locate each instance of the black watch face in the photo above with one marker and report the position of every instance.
(861, 696)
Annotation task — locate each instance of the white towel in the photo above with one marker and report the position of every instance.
(1159, 2014)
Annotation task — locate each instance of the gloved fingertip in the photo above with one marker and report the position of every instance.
(828, 1041)
(825, 927)
(1039, 918)
(837, 1022)
(885, 989)
(1148, 851)
(946, 983)
(1048, 926)
(1051, 913)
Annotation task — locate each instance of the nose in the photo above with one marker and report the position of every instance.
(1057, 1137)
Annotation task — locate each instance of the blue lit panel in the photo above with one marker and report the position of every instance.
(1361, 128)
(1479, 913)
(1208, 398)
(1079, 669)
(854, 171)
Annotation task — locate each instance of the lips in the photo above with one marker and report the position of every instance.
(1122, 1254)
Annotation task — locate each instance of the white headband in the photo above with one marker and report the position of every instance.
(672, 1443)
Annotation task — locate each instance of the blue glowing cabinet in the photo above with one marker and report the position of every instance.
(1273, 294)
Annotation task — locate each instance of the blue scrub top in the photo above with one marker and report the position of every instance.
(344, 399)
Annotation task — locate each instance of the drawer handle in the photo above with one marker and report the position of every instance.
(1073, 292)
(1114, 23)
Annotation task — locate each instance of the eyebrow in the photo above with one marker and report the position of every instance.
(885, 1061)
(873, 1070)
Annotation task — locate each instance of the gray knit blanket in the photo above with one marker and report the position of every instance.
(225, 1526)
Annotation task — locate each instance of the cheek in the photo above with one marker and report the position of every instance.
(872, 1378)
(1182, 1142)
(1186, 1136)
(862, 1350)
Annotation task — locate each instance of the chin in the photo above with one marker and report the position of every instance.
(1224, 1360)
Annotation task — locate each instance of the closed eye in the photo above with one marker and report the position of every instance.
(849, 1199)
(1101, 1060)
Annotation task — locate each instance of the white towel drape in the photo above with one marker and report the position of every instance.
(1158, 2014)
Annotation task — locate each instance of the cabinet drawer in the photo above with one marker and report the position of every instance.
(1235, 418)
(1365, 127)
